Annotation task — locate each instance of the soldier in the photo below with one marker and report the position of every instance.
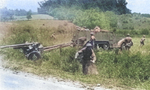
(97, 29)
(81, 41)
(92, 39)
(142, 41)
(125, 42)
(88, 59)
(128, 41)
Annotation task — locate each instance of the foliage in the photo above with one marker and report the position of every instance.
(145, 31)
(29, 13)
(118, 6)
(129, 68)
(8, 14)
(130, 23)
(126, 65)
(92, 18)
(89, 18)
(63, 60)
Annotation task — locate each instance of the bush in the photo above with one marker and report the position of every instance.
(126, 65)
(91, 18)
(145, 31)
(134, 32)
(63, 60)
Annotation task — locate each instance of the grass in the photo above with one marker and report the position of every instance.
(123, 70)
(41, 31)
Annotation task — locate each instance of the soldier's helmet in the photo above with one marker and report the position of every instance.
(128, 34)
(92, 33)
(88, 45)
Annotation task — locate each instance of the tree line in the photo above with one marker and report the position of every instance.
(117, 6)
(8, 14)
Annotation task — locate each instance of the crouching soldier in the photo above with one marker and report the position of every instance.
(125, 43)
(88, 59)
(128, 41)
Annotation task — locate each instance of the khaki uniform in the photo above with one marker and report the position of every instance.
(142, 41)
(127, 43)
(81, 41)
(97, 29)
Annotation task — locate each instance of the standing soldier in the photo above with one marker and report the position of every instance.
(142, 41)
(92, 39)
(88, 59)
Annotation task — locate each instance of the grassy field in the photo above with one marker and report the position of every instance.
(119, 71)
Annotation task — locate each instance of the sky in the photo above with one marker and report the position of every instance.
(138, 6)
(20, 4)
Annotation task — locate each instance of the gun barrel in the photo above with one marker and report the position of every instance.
(16, 45)
(49, 48)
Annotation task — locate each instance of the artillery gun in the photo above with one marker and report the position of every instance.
(33, 51)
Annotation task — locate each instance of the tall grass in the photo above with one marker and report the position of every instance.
(127, 68)
(32, 31)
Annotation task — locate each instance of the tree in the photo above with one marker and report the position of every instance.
(29, 13)
(117, 6)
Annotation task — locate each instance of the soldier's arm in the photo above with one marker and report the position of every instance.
(80, 51)
(94, 56)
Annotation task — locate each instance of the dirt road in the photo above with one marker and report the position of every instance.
(10, 80)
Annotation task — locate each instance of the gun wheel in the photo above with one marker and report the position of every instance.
(106, 46)
(34, 56)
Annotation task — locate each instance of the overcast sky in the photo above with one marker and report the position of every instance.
(139, 6)
(20, 4)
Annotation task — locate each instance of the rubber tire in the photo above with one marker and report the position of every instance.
(34, 56)
(106, 46)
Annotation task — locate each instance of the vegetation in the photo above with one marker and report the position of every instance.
(119, 69)
(112, 15)
(116, 69)
(118, 6)
(9, 14)
(29, 13)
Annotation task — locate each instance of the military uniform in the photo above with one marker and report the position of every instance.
(142, 40)
(127, 41)
(88, 57)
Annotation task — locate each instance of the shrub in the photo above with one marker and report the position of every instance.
(63, 60)
(126, 65)
(145, 31)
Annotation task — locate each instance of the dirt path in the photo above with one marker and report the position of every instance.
(10, 80)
